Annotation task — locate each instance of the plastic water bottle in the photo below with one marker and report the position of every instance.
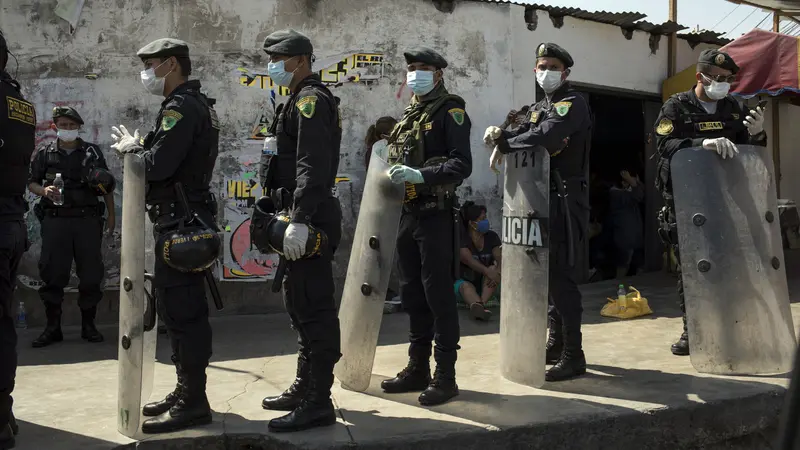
(58, 183)
(622, 297)
(22, 321)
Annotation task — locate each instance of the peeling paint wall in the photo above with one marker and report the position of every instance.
(358, 44)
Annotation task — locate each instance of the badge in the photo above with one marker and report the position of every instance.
(429, 126)
(307, 106)
(720, 59)
(562, 108)
(534, 116)
(541, 50)
(664, 127)
(169, 119)
(458, 115)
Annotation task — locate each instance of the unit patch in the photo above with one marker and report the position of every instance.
(458, 115)
(307, 106)
(664, 127)
(21, 110)
(169, 119)
(562, 108)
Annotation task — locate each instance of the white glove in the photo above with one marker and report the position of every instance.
(755, 121)
(491, 134)
(294, 241)
(495, 160)
(124, 142)
(723, 146)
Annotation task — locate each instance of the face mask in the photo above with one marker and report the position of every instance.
(717, 90)
(482, 226)
(153, 84)
(549, 80)
(67, 135)
(420, 81)
(279, 75)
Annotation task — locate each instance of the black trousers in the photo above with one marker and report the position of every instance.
(13, 243)
(65, 239)
(669, 230)
(565, 298)
(308, 295)
(425, 261)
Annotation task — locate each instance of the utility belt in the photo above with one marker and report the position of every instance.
(667, 227)
(574, 184)
(174, 209)
(70, 211)
(426, 204)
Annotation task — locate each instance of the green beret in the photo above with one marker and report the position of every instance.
(68, 112)
(719, 59)
(550, 50)
(288, 43)
(164, 48)
(425, 55)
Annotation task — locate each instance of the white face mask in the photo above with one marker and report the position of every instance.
(153, 84)
(717, 90)
(67, 135)
(549, 80)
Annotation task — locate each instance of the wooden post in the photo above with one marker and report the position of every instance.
(672, 45)
(776, 122)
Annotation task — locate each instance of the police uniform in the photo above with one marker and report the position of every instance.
(561, 123)
(70, 231)
(17, 141)
(428, 240)
(685, 122)
(308, 132)
(182, 148)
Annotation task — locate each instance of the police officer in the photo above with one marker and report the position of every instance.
(182, 149)
(308, 132)
(704, 116)
(431, 168)
(561, 123)
(72, 224)
(17, 141)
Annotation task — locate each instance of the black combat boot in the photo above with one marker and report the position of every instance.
(52, 332)
(555, 341)
(572, 362)
(88, 330)
(160, 407)
(191, 409)
(414, 378)
(7, 440)
(290, 399)
(316, 408)
(442, 388)
(681, 348)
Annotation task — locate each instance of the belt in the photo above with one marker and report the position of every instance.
(429, 203)
(84, 211)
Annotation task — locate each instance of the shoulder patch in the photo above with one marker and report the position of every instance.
(562, 108)
(21, 110)
(534, 116)
(457, 114)
(307, 106)
(169, 119)
(664, 127)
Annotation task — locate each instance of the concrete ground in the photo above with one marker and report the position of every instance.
(637, 395)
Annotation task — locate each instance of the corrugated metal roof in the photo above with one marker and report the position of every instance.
(705, 37)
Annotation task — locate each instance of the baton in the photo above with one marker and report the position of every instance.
(189, 216)
(562, 192)
(279, 274)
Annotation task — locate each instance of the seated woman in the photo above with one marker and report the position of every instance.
(480, 262)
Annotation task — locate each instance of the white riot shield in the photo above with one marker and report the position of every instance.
(368, 275)
(737, 300)
(523, 314)
(137, 313)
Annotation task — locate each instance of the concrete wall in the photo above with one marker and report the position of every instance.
(489, 46)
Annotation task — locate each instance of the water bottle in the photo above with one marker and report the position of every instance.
(58, 183)
(622, 297)
(22, 321)
(270, 146)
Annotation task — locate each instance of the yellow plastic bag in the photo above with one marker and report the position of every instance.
(634, 306)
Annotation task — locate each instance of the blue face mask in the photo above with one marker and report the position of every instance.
(279, 74)
(420, 81)
(483, 226)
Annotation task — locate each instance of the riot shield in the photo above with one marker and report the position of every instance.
(368, 275)
(137, 313)
(737, 300)
(523, 314)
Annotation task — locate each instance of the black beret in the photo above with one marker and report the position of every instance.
(68, 112)
(425, 55)
(550, 50)
(719, 59)
(288, 43)
(164, 48)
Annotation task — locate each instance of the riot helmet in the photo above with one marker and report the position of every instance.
(101, 181)
(190, 249)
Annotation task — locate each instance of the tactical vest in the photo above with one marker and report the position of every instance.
(195, 171)
(17, 139)
(74, 171)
